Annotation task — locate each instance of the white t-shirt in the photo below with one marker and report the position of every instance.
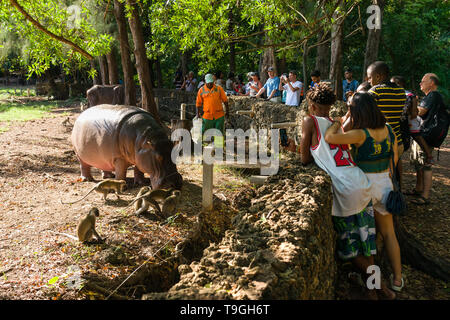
(191, 84)
(293, 97)
(351, 188)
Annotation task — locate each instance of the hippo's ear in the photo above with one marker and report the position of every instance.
(147, 145)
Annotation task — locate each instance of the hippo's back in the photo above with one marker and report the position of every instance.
(94, 134)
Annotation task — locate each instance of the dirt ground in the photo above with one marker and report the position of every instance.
(38, 168)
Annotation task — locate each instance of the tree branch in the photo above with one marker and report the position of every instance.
(39, 26)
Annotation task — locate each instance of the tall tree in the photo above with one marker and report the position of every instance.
(127, 66)
(112, 67)
(103, 69)
(373, 40)
(336, 52)
(140, 53)
(323, 55)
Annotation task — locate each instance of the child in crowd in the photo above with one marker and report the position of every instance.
(352, 210)
(315, 78)
(414, 121)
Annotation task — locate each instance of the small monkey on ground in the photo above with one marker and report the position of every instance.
(86, 228)
(105, 187)
(147, 198)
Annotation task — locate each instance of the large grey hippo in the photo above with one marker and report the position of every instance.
(100, 94)
(115, 137)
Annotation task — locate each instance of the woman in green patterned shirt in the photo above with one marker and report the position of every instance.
(373, 143)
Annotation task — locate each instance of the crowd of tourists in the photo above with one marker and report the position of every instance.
(361, 151)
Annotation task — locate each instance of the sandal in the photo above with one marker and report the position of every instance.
(413, 192)
(394, 287)
(420, 201)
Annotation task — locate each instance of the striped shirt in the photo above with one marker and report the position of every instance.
(391, 100)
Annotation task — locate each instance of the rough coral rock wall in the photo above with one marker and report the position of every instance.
(267, 112)
(280, 247)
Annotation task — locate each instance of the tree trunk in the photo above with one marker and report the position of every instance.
(336, 72)
(96, 79)
(184, 63)
(373, 41)
(127, 66)
(323, 56)
(282, 65)
(304, 65)
(159, 78)
(103, 70)
(232, 44)
(147, 98)
(267, 60)
(112, 67)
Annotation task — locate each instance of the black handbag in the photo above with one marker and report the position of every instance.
(396, 201)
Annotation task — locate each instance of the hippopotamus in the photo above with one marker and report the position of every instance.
(100, 94)
(115, 137)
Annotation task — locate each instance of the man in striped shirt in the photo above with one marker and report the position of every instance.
(390, 99)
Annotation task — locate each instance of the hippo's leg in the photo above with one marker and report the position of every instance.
(138, 177)
(120, 168)
(85, 171)
(107, 174)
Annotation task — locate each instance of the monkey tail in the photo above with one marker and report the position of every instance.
(136, 199)
(64, 234)
(93, 188)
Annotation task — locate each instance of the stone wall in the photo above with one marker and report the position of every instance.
(267, 112)
(280, 245)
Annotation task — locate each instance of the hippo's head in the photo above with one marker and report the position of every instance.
(153, 156)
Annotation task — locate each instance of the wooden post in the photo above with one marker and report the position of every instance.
(183, 111)
(157, 104)
(207, 190)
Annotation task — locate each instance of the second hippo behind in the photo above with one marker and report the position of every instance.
(115, 137)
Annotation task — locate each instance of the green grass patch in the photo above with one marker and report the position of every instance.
(3, 129)
(8, 92)
(27, 111)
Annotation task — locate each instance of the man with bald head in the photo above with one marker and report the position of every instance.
(428, 107)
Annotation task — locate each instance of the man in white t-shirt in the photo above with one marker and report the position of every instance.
(293, 89)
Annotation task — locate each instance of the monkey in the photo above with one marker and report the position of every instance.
(104, 187)
(151, 198)
(66, 122)
(138, 204)
(86, 228)
(170, 204)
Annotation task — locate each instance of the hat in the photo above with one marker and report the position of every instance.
(209, 78)
(270, 69)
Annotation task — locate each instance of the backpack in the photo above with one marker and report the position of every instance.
(435, 128)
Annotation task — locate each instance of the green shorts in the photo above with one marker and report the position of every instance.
(214, 124)
(356, 234)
